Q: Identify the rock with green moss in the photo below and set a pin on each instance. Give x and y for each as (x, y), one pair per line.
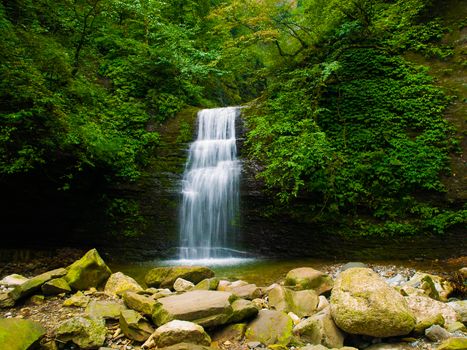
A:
(248, 291)
(363, 303)
(186, 346)
(56, 286)
(6, 301)
(308, 278)
(78, 300)
(104, 309)
(141, 303)
(207, 284)
(390, 346)
(460, 306)
(302, 303)
(19, 334)
(455, 327)
(232, 332)
(87, 272)
(86, 332)
(456, 343)
(177, 331)
(270, 327)
(135, 326)
(165, 277)
(35, 283)
(243, 310)
(118, 283)
(320, 329)
(12, 281)
(435, 287)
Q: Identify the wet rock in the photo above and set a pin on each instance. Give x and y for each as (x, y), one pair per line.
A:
(135, 326)
(56, 286)
(13, 280)
(204, 307)
(177, 331)
(182, 285)
(302, 303)
(270, 327)
(434, 286)
(165, 277)
(247, 291)
(429, 312)
(437, 333)
(243, 310)
(18, 334)
(363, 303)
(78, 299)
(140, 303)
(208, 284)
(34, 284)
(104, 309)
(89, 271)
(86, 332)
(320, 329)
(308, 278)
(460, 306)
(118, 283)
(453, 344)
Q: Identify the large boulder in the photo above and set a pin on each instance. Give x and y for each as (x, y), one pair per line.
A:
(104, 309)
(270, 327)
(12, 281)
(140, 303)
(118, 283)
(302, 303)
(247, 291)
(204, 307)
(320, 329)
(55, 286)
(308, 278)
(363, 303)
(86, 332)
(89, 271)
(177, 331)
(165, 277)
(135, 326)
(34, 284)
(18, 334)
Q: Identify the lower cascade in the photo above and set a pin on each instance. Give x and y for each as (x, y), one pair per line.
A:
(210, 188)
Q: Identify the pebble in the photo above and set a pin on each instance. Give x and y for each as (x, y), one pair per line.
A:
(253, 344)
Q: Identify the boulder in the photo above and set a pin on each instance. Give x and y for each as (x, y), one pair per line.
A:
(177, 331)
(181, 285)
(78, 299)
(104, 309)
(437, 333)
(270, 327)
(223, 285)
(37, 299)
(460, 306)
(353, 264)
(428, 312)
(455, 327)
(363, 303)
(302, 303)
(208, 284)
(233, 332)
(391, 346)
(135, 326)
(247, 291)
(6, 301)
(165, 277)
(55, 286)
(186, 346)
(140, 303)
(204, 307)
(322, 303)
(13, 280)
(33, 284)
(89, 271)
(453, 344)
(18, 334)
(320, 329)
(242, 310)
(118, 283)
(86, 332)
(308, 278)
(435, 287)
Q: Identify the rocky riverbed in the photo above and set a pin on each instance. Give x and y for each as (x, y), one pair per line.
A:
(345, 306)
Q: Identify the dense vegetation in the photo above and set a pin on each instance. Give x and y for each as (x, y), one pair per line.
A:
(343, 125)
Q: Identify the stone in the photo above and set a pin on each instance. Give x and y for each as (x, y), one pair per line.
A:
(391, 346)
(208, 284)
(104, 309)
(36, 300)
(186, 346)
(34, 284)
(78, 299)
(270, 327)
(322, 303)
(56, 286)
(247, 291)
(320, 329)
(308, 278)
(460, 306)
(165, 277)
(435, 287)
(19, 334)
(314, 347)
(455, 327)
(89, 271)
(260, 303)
(135, 326)
(118, 283)
(363, 303)
(12, 280)
(204, 307)
(182, 285)
(86, 332)
(232, 332)
(463, 272)
(456, 343)
(223, 285)
(429, 312)
(253, 344)
(177, 331)
(437, 333)
(397, 280)
(243, 310)
(353, 264)
(140, 303)
(296, 320)
(302, 303)
(6, 301)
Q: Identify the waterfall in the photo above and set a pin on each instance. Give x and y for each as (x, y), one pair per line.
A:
(210, 188)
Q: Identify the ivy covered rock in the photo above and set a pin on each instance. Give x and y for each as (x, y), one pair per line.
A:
(19, 334)
(87, 272)
(363, 303)
(86, 332)
(118, 283)
(177, 331)
(270, 327)
(165, 277)
(309, 278)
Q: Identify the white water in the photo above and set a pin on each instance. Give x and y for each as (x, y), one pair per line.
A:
(210, 188)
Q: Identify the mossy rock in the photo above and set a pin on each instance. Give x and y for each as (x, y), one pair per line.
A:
(243, 310)
(453, 344)
(177, 331)
(118, 283)
(140, 303)
(86, 332)
(56, 286)
(165, 277)
(89, 271)
(19, 334)
(135, 326)
(309, 278)
(34, 284)
(302, 303)
(270, 327)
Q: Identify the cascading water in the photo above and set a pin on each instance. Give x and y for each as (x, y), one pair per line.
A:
(210, 188)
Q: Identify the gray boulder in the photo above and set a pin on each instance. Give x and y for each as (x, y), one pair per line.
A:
(181, 285)
(104, 309)
(175, 332)
(302, 303)
(270, 327)
(135, 326)
(140, 303)
(309, 278)
(243, 310)
(86, 332)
